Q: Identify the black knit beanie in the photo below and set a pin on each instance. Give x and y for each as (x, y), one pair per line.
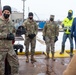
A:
(30, 14)
(7, 8)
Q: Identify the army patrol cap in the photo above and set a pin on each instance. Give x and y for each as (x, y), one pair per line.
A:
(52, 16)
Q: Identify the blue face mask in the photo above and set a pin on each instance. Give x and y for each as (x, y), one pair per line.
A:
(69, 16)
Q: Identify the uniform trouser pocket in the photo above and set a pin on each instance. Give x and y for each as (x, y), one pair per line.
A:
(13, 61)
(2, 62)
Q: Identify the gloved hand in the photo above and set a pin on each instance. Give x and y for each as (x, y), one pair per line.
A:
(56, 38)
(10, 36)
(31, 36)
(65, 29)
(44, 38)
(69, 30)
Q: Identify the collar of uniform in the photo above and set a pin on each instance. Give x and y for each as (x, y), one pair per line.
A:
(51, 21)
(30, 20)
(1, 17)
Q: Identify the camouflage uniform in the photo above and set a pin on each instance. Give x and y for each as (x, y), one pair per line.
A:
(6, 48)
(50, 31)
(31, 28)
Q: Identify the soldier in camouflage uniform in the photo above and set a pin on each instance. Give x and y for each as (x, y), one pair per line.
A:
(50, 35)
(6, 47)
(30, 36)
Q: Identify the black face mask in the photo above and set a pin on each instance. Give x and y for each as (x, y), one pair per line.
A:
(30, 18)
(6, 15)
(51, 19)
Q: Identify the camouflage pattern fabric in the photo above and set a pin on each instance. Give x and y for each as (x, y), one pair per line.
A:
(31, 28)
(6, 48)
(50, 30)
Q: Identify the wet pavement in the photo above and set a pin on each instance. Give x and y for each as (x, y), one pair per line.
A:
(42, 66)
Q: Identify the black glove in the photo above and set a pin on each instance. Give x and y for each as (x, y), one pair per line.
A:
(69, 30)
(65, 30)
(10, 36)
(56, 38)
(44, 38)
(31, 36)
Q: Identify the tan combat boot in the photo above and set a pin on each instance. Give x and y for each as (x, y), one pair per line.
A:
(53, 56)
(33, 59)
(47, 56)
(27, 59)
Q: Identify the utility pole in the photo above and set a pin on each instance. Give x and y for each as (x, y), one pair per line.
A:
(23, 8)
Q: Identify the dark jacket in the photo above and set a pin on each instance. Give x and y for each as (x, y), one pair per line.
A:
(73, 29)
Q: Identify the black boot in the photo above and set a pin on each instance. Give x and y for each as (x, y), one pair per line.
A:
(21, 50)
(62, 51)
(71, 52)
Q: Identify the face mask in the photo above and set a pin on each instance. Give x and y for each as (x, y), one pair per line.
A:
(30, 18)
(6, 15)
(51, 19)
(69, 14)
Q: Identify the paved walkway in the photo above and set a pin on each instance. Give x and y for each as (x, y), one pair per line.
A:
(42, 66)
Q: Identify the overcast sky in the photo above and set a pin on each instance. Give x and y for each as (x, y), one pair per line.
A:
(42, 9)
